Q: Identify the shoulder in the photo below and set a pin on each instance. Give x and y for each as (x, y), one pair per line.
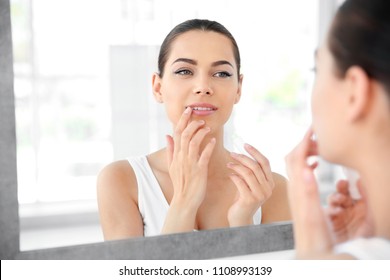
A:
(276, 208)
(117, 198)
(280, 189)
(117, 178)
(279, 180)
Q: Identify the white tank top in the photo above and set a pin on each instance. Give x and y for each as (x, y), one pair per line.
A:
(151, 201)
(374, 248)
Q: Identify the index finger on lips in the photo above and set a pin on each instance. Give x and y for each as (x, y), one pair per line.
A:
(298, 157)
(181, 125)
(309, 145)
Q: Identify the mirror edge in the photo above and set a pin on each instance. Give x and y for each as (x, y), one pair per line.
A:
(207, 244)
(9, 217)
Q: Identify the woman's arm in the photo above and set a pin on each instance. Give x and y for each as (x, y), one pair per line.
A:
(118, 202)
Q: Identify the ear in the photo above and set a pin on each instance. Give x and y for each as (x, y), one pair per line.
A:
(156, 85)
(238, 97)
(358, 92)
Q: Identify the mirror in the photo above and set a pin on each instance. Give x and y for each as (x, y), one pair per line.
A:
(64, 116)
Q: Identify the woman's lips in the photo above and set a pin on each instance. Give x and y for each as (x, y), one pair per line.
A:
(202, 109)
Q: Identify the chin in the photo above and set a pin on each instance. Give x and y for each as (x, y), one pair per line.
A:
(329, 155)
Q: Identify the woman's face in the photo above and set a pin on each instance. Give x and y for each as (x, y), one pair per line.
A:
(201, 73)
(327, 106)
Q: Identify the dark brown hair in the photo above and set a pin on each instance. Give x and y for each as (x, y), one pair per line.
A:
(195, 24)
(360, 35)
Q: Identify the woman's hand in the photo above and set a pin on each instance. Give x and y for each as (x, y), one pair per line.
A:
(254, 181)
(311, 232)
(188, 169)
(349, 218)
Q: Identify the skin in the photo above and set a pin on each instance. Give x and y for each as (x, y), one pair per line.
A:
(206, 186)
(343, 110)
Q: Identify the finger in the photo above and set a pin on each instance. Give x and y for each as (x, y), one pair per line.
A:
(261, 159)
(333, 212)
(170, 149)
(206, 154)
(339, 200)
(297, 158)
(247, 174)
(311, 230)
(308, 145)
(242, 187)
(249, 167)
(196, 140)
(314, 165)
(258, 185)
(181, 125)
(188, 133)
(342, 187)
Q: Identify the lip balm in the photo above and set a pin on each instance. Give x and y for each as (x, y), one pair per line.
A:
(352, 177)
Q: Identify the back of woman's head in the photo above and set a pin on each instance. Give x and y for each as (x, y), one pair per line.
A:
(360, 35)
(194, 24)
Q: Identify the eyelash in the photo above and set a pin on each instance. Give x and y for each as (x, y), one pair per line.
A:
(184, 72)
(223, 74)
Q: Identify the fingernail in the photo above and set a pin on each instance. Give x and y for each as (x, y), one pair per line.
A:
(187, 110)
(248, 146)
(201, 121)
(229, 164)
(234, 154)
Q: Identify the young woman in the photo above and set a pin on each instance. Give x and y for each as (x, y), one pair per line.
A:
(351, 124)
(194, 183)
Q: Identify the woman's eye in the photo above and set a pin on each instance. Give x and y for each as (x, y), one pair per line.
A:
(222, 74)
(183, 72)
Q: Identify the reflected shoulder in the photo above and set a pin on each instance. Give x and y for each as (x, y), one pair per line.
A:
(117, 176)
(276, 208)
(280, 180)
(117, 197)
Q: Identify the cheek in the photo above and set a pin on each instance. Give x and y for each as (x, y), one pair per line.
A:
(320, 118)
(317, 104)
(326, 120)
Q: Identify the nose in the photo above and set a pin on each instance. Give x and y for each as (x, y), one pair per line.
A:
(204, 91)
(203, 86)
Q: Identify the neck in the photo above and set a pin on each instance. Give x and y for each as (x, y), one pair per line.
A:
(375, 175)
(220, 156)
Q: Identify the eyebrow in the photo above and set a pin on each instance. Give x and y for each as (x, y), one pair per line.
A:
(221, 62)
(194, 62)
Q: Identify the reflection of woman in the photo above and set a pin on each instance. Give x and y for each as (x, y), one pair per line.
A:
(193, 183)
(351, 121)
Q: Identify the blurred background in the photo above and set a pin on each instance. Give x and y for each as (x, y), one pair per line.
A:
(83, 94)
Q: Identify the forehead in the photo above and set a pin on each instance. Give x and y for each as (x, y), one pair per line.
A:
(198, 44)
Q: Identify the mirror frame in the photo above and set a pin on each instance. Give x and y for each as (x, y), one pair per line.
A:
(205, 244)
